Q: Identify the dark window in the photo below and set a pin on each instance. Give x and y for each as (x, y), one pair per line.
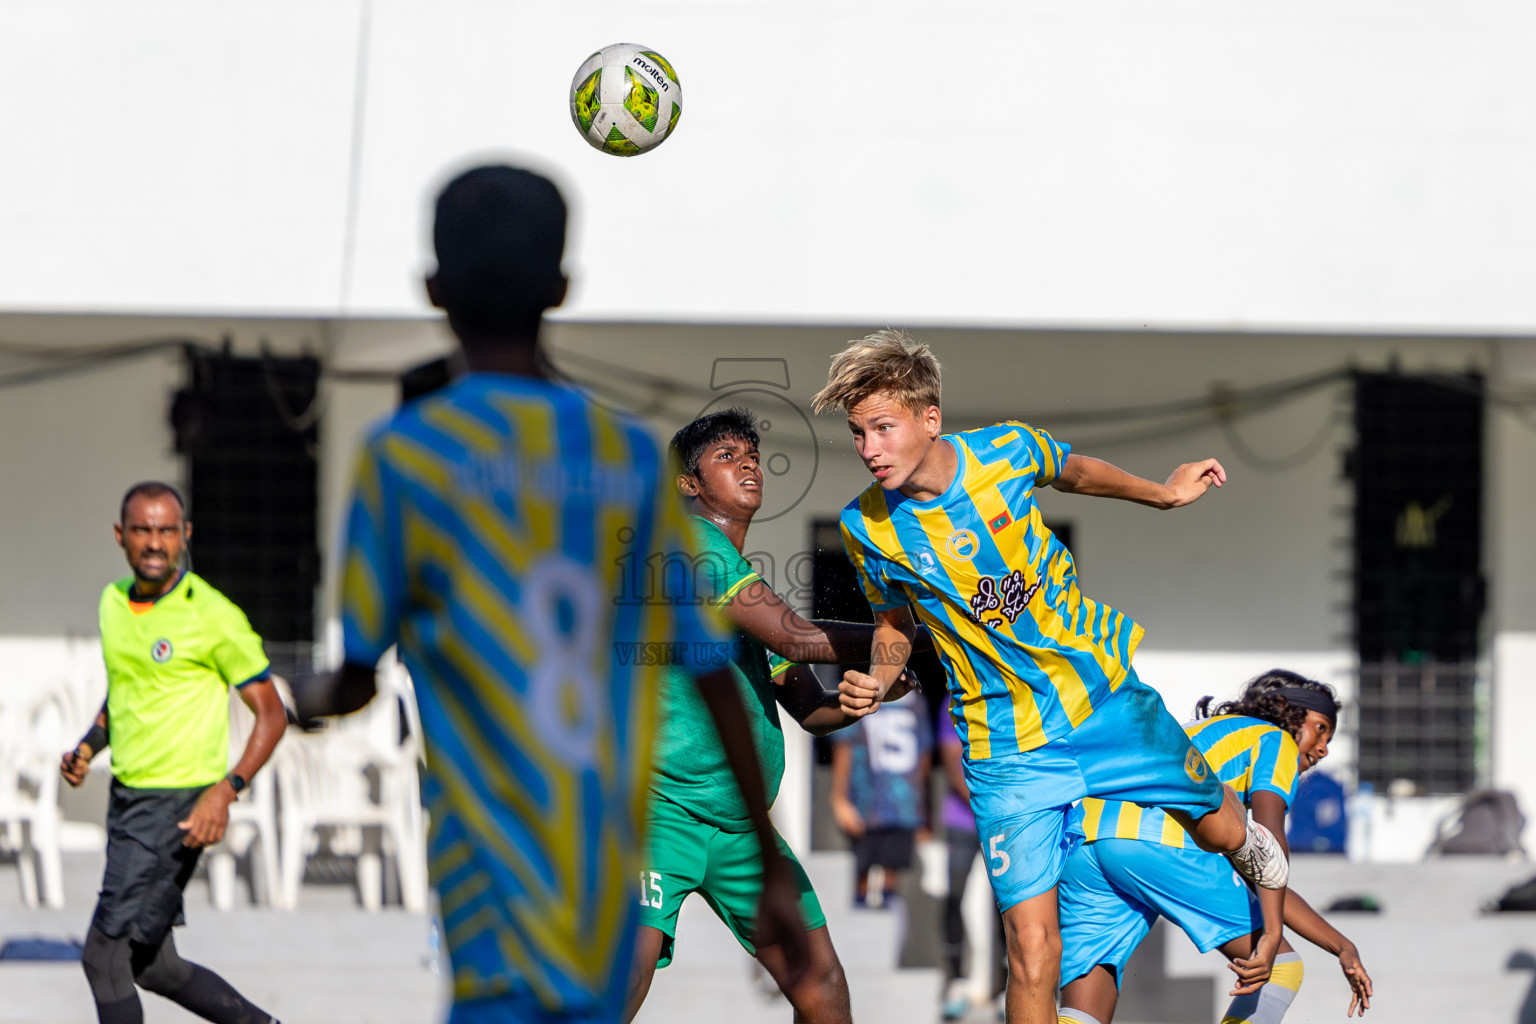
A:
(1418, 585)
(247, 428)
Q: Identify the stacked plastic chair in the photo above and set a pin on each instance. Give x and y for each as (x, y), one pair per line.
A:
(358, 778)
(32, 736)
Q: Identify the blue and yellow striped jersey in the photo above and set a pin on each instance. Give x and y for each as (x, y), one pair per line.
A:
(504, 531)
(1028, 656)
(1248, 754)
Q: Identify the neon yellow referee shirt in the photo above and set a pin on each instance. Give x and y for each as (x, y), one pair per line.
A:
(169, 668)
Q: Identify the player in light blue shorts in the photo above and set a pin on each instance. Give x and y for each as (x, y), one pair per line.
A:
(1137, 864)
(1023, 804)
(1044, 698)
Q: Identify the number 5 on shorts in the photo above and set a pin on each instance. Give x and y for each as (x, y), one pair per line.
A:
(999, 856)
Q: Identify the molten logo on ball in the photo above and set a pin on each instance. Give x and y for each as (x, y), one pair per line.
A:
(625, 99)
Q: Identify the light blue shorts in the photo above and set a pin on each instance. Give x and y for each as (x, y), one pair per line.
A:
(1114, 889)
(1130, 749)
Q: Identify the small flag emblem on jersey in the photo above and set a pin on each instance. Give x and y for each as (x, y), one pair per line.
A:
(997, 525)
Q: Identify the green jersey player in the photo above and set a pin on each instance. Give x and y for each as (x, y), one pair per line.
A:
(699, 834)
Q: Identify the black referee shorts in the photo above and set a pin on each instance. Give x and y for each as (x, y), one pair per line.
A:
(147, 865)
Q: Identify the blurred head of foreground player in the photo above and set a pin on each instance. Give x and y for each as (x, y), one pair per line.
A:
(499, 235)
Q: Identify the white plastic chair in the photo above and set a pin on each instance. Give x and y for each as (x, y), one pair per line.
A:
(323, 781)
(252, 824)
(31, 740)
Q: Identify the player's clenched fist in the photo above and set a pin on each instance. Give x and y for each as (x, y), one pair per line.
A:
(858, 694)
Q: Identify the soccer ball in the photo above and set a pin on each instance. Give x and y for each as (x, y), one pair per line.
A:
(625, 99)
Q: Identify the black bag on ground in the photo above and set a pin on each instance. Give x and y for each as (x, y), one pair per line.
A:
(1488, 822)
(1521, 898)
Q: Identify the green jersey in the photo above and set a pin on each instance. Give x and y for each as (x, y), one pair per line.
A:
(170, 664)
(690, 767)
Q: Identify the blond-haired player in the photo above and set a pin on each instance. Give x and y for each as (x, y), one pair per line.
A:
(1044, 696)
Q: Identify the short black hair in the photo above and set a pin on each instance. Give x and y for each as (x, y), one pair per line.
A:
(690, 443)
(150, 489)
(499, 234)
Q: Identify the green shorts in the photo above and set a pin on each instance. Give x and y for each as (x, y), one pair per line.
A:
(686, 855)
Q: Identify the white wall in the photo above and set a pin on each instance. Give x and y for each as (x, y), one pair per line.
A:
(71, 445)
(1252, 576)
(1360, 165)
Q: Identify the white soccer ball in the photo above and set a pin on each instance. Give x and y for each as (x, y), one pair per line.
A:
(625, 99)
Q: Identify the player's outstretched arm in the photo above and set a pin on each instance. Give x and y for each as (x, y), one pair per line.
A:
(1097, 478)
(342, 692)
(761, 614)
(1312, 926)
(778, 915)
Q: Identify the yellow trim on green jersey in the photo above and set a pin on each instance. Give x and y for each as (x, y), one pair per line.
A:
(736, 588)
(169, 670)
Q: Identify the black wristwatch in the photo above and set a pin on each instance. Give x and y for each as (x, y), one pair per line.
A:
(236, 783)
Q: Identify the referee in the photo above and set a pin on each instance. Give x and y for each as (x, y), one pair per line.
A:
(173, 646)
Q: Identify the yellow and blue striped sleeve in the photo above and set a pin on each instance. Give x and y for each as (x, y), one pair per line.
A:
(1276, 766)
(1035, 445)
(879, 591)
(373, 580)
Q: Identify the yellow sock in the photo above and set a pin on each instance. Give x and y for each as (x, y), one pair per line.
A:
(1268, 1004)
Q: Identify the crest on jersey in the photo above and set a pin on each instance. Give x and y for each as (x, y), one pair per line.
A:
(1194, 765)
(963, 544)
(161, 651)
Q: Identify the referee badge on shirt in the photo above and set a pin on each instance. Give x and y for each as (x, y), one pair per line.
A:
(161, 651)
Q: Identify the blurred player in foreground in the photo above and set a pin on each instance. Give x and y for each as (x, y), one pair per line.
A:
(173, 647)
(1045, 698)
(699, 830)
(494, 531)
(1136, 865)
